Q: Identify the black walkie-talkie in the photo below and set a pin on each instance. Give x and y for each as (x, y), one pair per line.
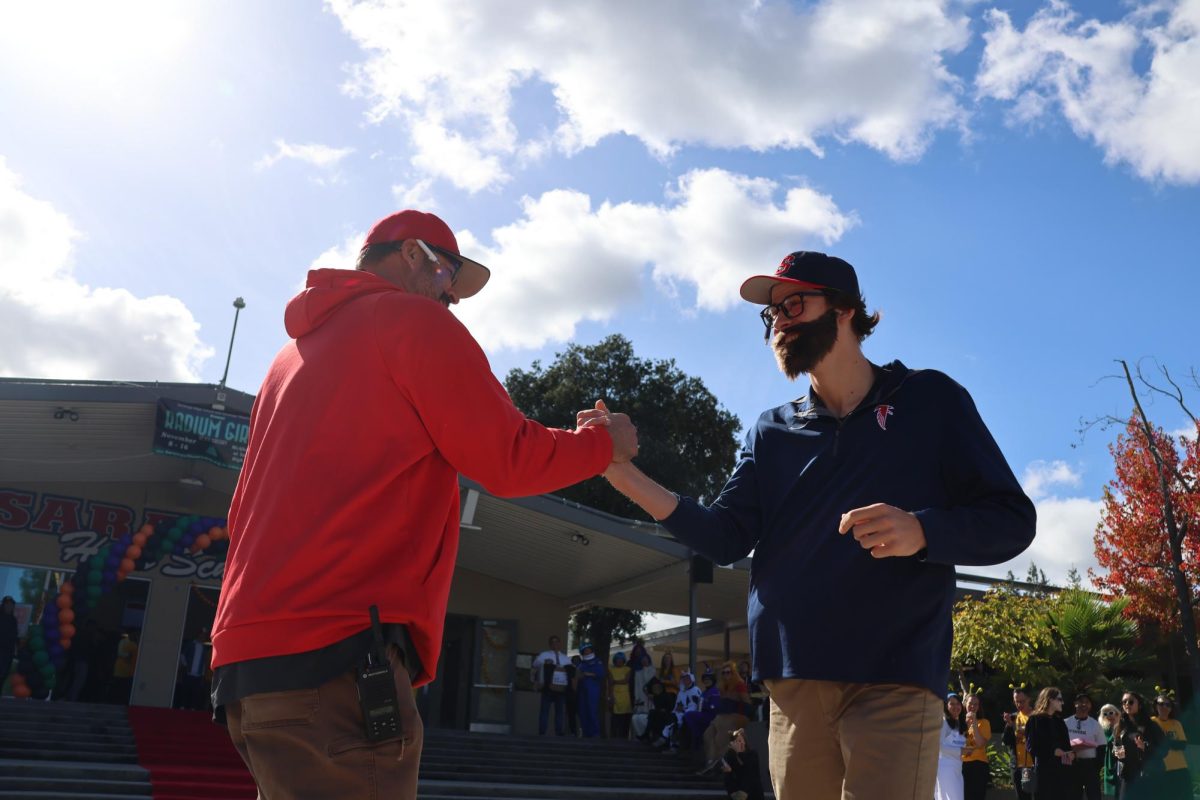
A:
(377, 689)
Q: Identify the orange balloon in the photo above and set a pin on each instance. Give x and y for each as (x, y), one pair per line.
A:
(66, 643)
(127, 564)
(63, 601)
(65, 616)
(221, 534)
(139, 539)
(67, 588)
(133, 551)
(202, 542)
(146, 530)
(66, 631)
(22, 691)
(17, 679)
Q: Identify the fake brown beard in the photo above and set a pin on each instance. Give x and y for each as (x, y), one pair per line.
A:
(813, 342)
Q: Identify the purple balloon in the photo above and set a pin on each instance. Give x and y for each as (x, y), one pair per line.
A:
(110, 576)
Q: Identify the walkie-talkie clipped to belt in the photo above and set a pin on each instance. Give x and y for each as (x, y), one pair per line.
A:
(377, 688)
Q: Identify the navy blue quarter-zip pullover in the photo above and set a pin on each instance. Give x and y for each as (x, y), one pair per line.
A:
(820, 606)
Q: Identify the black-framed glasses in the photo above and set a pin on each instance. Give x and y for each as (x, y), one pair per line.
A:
(790, 307)
(1129, 702)
(453, 261)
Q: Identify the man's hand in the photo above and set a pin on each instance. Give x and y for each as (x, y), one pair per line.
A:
(620, 428)
(884, 530)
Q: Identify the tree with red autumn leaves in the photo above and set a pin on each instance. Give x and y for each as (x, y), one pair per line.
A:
(1148, 541)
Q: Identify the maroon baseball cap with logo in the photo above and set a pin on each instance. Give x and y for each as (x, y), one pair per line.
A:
(804, 269)
(410, 224)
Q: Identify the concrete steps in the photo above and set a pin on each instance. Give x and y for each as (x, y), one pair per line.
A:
(456, 764)
(68, 751)
(74, 751)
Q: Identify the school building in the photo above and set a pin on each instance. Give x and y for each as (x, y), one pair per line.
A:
(86, 465)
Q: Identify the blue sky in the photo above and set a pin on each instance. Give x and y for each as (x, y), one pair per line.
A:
(1015, 182)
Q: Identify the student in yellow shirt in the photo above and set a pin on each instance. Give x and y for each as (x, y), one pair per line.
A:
(620, 703)
(1014, 736)
(1176, 782)
(123, 669)
(975, 757)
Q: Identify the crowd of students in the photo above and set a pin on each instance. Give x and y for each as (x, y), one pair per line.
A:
(668, 707)
(1131, 752)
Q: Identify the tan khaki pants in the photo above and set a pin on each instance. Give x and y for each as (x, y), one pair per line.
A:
(309, 743)
(716, 735)
(853, 741)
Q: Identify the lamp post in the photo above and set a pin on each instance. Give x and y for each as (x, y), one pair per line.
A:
(238, 305)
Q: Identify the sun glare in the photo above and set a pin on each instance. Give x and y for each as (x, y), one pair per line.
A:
(89, 52)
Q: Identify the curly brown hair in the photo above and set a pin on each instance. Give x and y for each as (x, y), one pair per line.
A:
(862, 323)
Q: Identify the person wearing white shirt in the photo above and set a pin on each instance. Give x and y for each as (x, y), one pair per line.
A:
(954, 741)
(690, 697)
(1086, 736)
(551, 672)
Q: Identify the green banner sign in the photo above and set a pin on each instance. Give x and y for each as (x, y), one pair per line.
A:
(198, 432)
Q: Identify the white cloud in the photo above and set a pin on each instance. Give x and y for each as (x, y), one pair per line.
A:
(759, 74)
(1149, 119)
(1065, 526)
(566, 261)
(68, 330)
(1185, 431)
(341, 256)
(417, 195)
(1039, 476)
(323, 157)
(1065, 530)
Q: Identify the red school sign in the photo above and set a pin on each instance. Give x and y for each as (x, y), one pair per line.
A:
(83, 526)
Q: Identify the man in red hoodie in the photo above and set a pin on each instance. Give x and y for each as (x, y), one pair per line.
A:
(348, 500)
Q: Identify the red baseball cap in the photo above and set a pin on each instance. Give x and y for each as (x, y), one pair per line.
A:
(430, 229)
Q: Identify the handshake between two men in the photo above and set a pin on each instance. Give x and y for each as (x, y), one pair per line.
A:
(620, 428)
(881, 529)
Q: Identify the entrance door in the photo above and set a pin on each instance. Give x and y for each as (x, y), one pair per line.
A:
(443, 702)
(493, 676)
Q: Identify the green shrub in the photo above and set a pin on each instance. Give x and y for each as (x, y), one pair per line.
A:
(1000, 765)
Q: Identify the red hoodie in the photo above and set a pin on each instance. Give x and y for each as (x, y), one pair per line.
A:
(349, 492)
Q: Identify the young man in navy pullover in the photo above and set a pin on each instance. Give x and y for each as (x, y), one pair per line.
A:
(857, 500)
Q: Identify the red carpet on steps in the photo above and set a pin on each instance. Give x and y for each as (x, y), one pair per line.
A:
(188, 756)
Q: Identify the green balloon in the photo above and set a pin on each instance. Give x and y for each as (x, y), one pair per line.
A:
(93, 591)
(175, 534)
(41, 658)
(95, 576)
(36, 632)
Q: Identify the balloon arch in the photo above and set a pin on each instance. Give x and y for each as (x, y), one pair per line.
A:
(47, 642)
